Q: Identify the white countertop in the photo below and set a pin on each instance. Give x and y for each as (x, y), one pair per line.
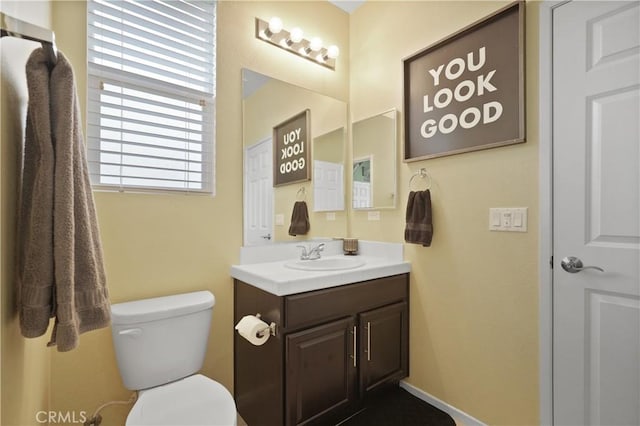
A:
(280, 280)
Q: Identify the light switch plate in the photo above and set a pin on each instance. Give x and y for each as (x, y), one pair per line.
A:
(331, 216)
(279, 219)
(508, 219)
(373, 215)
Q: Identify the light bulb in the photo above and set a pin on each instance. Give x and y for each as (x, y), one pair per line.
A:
(275, 25)
(333, 52)
(316, 44)
(296, 35)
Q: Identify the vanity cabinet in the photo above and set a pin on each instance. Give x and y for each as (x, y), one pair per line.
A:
(333, 348)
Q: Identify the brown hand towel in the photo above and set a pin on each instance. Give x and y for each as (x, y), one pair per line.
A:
(299, 219)
(419, 227)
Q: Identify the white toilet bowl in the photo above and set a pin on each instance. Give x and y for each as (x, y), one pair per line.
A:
(195, 400)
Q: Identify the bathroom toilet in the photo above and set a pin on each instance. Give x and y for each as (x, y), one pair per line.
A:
(160, 345)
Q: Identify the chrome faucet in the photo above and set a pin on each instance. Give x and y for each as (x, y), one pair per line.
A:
(313, 253)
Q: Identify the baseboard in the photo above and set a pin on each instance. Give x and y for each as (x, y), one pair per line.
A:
(461, 418)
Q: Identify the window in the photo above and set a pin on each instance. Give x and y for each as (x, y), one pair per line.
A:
(150, 121)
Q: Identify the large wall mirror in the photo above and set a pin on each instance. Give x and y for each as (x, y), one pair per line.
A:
(374, 161)
(267, 102)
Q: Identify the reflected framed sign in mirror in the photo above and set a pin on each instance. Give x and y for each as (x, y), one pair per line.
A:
(291, 150)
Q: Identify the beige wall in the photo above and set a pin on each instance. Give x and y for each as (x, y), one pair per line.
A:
(474, 322)
(25, 364)
(330, 146)
(158, 244)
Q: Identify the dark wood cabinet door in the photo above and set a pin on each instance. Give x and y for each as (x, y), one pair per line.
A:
(320, 371)
(384, 334)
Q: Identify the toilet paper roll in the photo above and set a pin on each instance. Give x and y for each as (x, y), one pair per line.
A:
(253, 329)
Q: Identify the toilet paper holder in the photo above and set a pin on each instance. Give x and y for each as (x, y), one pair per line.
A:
(271, 328)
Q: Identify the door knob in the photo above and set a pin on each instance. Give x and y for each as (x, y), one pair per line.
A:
(266, 237)
(572, 265)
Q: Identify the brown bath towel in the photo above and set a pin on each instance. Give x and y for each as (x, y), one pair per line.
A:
(419, 227)
(34, 245)
(299, 219)
(71, 284)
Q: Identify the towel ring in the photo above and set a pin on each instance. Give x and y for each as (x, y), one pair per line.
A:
(302, 191)
(422, 173)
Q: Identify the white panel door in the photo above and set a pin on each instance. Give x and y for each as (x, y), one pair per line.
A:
(258, 193)
(596, 134)
(328, 186)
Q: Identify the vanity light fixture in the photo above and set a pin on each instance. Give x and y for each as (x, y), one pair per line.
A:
(293, 41)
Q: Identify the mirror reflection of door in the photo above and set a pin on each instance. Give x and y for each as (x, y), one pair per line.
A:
(362, 183)
(328, 187)
(258, 193)
(328, 171)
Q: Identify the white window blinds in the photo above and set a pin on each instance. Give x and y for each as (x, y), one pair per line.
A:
(150, 121)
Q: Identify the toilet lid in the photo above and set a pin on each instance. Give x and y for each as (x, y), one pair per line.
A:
(195, 400)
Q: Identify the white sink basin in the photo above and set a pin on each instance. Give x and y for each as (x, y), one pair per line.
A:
(326, 264)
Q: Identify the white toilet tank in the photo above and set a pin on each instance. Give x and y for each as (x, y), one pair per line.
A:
(162, 339)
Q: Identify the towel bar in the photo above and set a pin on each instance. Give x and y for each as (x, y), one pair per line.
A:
(302, 191)
(422, 173)
(13, 27)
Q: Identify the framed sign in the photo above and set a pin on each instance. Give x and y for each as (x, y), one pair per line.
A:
(291, 150)
(466, 92)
